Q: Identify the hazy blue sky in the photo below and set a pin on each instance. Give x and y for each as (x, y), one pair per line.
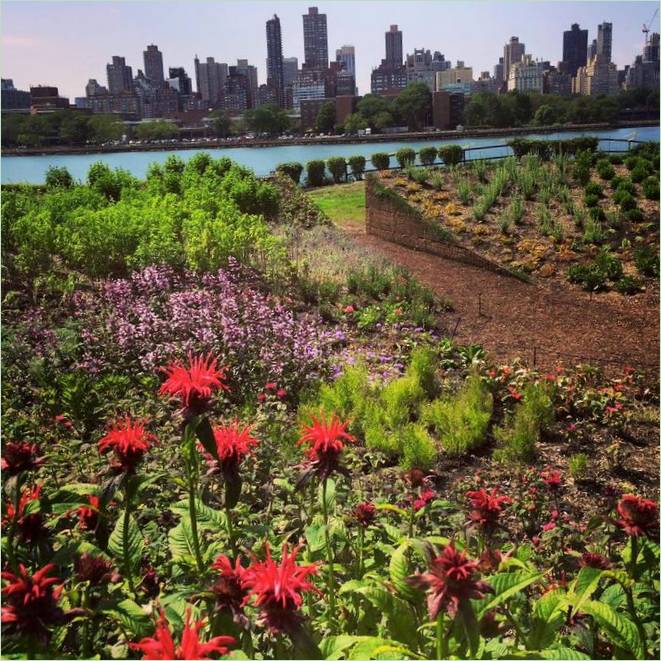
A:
(65, 43)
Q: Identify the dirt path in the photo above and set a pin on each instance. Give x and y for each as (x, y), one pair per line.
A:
(548, 323)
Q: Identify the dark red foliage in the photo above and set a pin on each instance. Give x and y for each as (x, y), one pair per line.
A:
(194, 384)
(325, 438)
(639, 516)
(364, 513)
(278, 588)
(129, 441)
(415, 477)
(30, 526)
(228, 589)
(94, 569)
(88, 515)
(150, 583)
(595, 560)
(451, 580)
(486, 508)
(30, 602)
(421, 501)
(162, 645)
(20, 457)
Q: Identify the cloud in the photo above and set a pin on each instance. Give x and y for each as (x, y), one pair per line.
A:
(19, 41)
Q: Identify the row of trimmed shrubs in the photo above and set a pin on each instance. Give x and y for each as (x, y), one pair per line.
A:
(546, 149)
(339, 167)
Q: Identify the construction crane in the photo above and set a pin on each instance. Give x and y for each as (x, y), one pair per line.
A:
(646, 28)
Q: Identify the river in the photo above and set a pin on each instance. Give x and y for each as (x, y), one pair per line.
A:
(32, 169)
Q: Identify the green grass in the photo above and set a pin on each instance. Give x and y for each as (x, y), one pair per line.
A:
(342, 203)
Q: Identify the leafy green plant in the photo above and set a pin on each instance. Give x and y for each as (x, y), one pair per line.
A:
(357, 165)
(381, 160)
(464, 192)
(405, 156)
(316, 171)
(428, 155)
(292, 170)
(605, 170)
(647, 261)
(578, 466)
(337, 166)
(651, 188)
(436, 181)
(451, 154)
(58, 177)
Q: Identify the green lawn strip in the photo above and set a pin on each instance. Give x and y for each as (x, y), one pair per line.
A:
(342, 203)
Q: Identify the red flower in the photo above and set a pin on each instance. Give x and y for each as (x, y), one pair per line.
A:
(282, 393)
(63, 420)
(277, 588)
(88, 515)
(94, 569)
(415, 477)
(514, 393)
(162, 645)
(451, 580)
(261, 397)
(20, 457)
(425, 497)
(233, 443)
(229, 590)
(552, 479)
(349, 309)
(129, 440)
(364, 514)
(326, 440)
(30, 526)
(595, 560)
(194, 384)
(486, 507)
(30, 603)
(492, 374)
(640, 516)
(271, 386)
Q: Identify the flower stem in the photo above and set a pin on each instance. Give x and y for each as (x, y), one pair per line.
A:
(329, 559)
(361, 544)
(193, 523)
(441, 647)
(125, 539)
(230, 527)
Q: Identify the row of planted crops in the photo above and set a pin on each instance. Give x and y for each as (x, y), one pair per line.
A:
(229, 433)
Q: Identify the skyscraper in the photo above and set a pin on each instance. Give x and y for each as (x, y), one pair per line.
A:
(275, 75)
(605, 40)
(210, 79)
(315, 40)
(512, 53)
(290, 69)
(394, 49)
(120, 77)
(347, 56)
(179, 80)
(574, 48)
(250, 73)
(154, 65)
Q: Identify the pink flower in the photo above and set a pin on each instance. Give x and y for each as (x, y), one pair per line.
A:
(349, 309)
(282, 393)
(425, 497)
(271, 386)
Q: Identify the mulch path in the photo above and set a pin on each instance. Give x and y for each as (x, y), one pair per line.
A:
(544, 323)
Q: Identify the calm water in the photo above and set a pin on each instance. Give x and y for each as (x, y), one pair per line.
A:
(32, 169)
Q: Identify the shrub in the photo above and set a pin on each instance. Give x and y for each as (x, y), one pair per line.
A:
(338, 168)
(417, 447)
(608, 264)
(464, 192)
(428, 155)
(58, 177)
(461, 421)
(480, 169)
(400, 399)
(593, 188)
(422, 366)
(515, 210)
(436, 181)
(634, 215)
(615, 159)
(293, 170)
(357, 165)
(593, 231)
(578, 466)
(626, 201)
(624, 185)
(405, 156)
(628, 285)
(316, 173)
(522, 431)
(641, 171)
(419, 175)
(381, 160)
(591, 200)
(451, 154)
(582, 167)
(647, 261)
(597, 214)
(631, 162)
(588, 276)
(651, 188)
(605, 170)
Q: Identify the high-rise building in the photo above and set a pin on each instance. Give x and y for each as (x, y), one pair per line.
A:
(597, 77)
(394, 47)
(290, 70)
(13, 99)
(315, 40)
(94, 89)
(179, 80)
(419, 68)
(526, 76)
(237, 91)
(153, 59)
(210, 79)
(250, 72)
(592, 50)
(605, 40)
(575, 48)
(512, 53)
(644, 72)
(275, 75)
(455, 79)
(120, 77)
(347, 57)
(498, 72)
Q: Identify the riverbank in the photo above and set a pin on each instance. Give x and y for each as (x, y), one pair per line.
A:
(325, 140)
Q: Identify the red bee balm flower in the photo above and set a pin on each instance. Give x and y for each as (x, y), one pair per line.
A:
(451, 580)
(640, 516)
(277, 588)
(364, 514)
(594, 560)
(88, 515)
(552, 479)
(194, 384)
(233, 442)
(20, 457)
(228, 589)
(94, 569)
(30, 526)
(486, 507)
(326, 440)
(425, 497)
(30, 601)
(129, 440)
(162, 645)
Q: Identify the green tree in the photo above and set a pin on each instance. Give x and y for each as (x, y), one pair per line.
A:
(105, 128)
(220, 123)
(267, 119)
(58, 178)
(414, 104)
(74, 129)
(325, 122)
(354, 123)
(156, 130)
(545, 115)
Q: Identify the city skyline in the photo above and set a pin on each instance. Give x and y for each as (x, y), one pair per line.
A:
(28, 31)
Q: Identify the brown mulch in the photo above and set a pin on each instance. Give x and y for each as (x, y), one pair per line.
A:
(543, 323)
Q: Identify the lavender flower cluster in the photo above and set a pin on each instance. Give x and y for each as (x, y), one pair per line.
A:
(156, 315)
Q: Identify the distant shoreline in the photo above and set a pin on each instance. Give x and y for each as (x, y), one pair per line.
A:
(327, 140)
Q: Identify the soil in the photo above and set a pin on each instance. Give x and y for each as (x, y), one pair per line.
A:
(545, 323)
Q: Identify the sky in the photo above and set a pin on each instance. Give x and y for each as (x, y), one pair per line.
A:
(66, 43)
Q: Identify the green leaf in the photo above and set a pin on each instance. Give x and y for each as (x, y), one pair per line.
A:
(400, 571)
(506, 585)
(205, 435)
(549, 614)
(132, 555)
(180, 540)
(392, 508)
(330, 495)
(315, 537)
(619, 629)
(583, 586)
(131, 618)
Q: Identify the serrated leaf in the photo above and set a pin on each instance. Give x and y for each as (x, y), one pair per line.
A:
(132, 554)
(549, 614)
(583, 586)
(315, 537)
(180, 541)
(619, 629)
(330, 496)
(399, 571)
(131, 618)
(506, 585)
